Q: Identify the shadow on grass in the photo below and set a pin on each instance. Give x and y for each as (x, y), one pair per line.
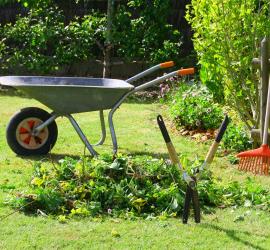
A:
(233, 235)
(143, 153)
(50, 157)
(53, 157)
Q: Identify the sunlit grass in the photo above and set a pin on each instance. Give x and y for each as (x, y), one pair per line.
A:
(137, 133)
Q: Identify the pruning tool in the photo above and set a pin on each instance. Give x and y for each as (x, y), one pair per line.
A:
(190, 194)
(191, 191)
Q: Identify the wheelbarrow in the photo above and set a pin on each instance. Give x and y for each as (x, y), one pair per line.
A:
(33, 131)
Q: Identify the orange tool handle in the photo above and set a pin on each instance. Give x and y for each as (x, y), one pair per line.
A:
(166, 64)
(188, 71)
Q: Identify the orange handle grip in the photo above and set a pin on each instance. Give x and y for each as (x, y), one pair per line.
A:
(167, 64)
(188, 71)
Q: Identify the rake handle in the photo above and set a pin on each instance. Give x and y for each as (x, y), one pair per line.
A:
(267, 116)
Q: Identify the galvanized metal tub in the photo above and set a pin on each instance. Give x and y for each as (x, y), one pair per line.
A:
(68, 95)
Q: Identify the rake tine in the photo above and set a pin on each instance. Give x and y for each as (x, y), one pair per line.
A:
(254, 164)
(243, 163)
(266, 167)
(259, 170)
(249, 164)
(255, 160)
(240, 164)
(259, 164)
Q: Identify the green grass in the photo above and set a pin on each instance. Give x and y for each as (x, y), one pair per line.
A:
(137, 133)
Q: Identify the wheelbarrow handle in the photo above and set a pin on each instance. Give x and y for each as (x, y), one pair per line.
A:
(151, 70)
(180, 72)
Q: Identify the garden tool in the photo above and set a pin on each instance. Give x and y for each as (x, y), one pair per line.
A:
(172, 152)
(213, 149)
(258, 160)
(191, 193)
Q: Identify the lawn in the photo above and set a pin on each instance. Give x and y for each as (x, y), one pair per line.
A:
(137, 133)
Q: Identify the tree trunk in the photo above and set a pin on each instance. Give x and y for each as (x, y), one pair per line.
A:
(109, 40)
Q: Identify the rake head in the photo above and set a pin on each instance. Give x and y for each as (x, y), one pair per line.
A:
(256, 161)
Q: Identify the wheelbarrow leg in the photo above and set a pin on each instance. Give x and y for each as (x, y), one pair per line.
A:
(81, 135)
(113, 135)
(110, 119)
(103, 129)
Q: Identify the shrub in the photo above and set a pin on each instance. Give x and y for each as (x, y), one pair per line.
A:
(147, 35)
(40, 43)
(227, 34)
(193, 108)
(236, 138)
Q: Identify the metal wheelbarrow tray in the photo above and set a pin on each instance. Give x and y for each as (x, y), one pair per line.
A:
(33, 131)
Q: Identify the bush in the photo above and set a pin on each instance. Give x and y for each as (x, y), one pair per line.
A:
(227, 35)
(126, 187)
(193, 108)
(41, 43)
(236, 138)
(147, 35)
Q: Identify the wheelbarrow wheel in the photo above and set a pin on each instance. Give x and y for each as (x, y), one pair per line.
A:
(19, 132)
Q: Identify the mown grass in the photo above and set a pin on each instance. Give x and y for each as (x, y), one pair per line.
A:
(137, 134)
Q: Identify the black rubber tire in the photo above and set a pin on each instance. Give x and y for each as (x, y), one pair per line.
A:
(17, 119)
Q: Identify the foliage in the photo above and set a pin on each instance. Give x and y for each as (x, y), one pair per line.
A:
(236, 138)
(227, 34)
(127, 187)
(3, 2)
(193, 107)
(146, 36)
(41, 43)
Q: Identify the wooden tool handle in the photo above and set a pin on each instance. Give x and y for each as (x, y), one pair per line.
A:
(213, 149)
(267, 116)
(167, 139)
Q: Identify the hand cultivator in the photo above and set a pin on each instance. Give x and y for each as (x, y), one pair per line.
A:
(191, 191)
(33, 131)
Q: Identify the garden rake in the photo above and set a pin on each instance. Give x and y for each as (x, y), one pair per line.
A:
(258, 160)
